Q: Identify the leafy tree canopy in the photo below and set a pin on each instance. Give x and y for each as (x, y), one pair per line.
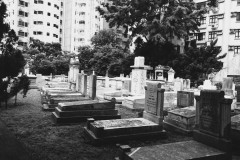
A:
(197, 63)
(158, 20)
(104, 37)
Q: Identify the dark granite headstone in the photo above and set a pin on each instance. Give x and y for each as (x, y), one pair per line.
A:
(214, 116)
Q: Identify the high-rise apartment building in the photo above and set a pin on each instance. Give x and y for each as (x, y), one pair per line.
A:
(223, 23)
(81, 22)
(39, 19)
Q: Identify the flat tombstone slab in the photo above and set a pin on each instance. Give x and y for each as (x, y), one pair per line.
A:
(175, 151)
(123, 123)
(214, 113)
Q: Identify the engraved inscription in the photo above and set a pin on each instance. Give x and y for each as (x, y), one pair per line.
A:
(151, 98)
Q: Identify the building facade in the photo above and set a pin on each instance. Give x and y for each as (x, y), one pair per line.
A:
(38, 19)
(222, 23)
(81, 22)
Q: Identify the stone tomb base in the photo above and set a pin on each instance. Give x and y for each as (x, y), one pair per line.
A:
(187, 150)
(235, 129)
(181, 120)
(74, 112)
(134, 103)
(122, 129)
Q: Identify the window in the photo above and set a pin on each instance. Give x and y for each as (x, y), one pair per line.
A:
(21, 33)
(81, 22)
(213, 20)
(21, 13)
(236, 49)
(48, 24)
(48, 34)
(21, 3)
(237, 33)
(200, 36)
(37, 32)
(238, 2)
(26, 24)
(49, 3)
(25, 34)
(38, 1)
(238, 16)
(212, 35)
(38, 22)
(38, 12)
(21, 23)
(81, 13)
(49, 14)
(202, 20)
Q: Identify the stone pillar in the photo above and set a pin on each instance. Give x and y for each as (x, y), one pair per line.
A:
(171, 74)
(139, 75)
(92, 86)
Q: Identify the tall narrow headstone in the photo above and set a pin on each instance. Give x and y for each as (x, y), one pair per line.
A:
(227, 86)
(171, 74)
(154, 100)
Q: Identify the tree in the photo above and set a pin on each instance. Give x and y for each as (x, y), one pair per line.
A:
(197, 63)
(157, 20)
(47, 58)
(86, 54)
(105, 37)
(11, 62)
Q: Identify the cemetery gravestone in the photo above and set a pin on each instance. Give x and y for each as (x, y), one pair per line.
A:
(227, 86)
(211, 141)
(214, 116)
(149, 126)
(185, 98)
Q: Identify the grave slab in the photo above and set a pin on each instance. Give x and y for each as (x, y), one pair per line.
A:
(235, 129)
(181, 120)
(188, 150)
(124, 129)
(78, 111)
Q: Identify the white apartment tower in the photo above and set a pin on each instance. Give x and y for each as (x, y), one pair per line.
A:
(39, 19)
(81, 22)
(222, 22)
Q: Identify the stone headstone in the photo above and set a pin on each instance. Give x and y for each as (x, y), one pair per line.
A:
(178, 86)
(154, 100)
(92, 86)
(227, 86)
(83, 84)
(171, 74)
(127, 85)
(185, 98)
(214, 113)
